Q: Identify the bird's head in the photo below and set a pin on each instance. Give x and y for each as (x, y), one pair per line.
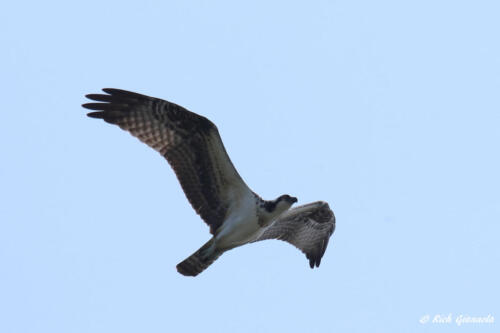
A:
(284, 202)
(287, 199)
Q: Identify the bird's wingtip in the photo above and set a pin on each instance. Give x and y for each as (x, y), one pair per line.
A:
(98, 115)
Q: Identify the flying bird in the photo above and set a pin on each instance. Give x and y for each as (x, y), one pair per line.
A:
(193, 147)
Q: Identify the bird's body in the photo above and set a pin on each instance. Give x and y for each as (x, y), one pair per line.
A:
(193, 147)
(247, 221)
(241, 225)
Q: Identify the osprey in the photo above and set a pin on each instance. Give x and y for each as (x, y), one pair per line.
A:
(193, 148)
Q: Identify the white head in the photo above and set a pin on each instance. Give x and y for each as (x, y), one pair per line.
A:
(281, 204)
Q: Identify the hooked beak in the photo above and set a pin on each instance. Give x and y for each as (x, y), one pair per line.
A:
(294, 199)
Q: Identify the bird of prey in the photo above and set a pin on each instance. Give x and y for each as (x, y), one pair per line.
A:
(193, 148)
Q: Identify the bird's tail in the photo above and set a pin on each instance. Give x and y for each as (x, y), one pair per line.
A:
(200, 260)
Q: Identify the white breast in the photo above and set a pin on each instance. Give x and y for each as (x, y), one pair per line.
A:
(241, 226)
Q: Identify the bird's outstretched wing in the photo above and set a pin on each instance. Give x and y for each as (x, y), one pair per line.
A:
(307, 227)
(190, 143)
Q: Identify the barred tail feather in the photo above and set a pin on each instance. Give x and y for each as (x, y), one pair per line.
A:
(200, 260)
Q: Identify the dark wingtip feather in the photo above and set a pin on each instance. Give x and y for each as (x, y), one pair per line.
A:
(110, 90)
(314, 260)
(318, 262)
(99, 115)
(123, 93)
(94, 106)
(99, 97)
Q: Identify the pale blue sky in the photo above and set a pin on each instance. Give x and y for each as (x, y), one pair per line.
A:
(388, 110)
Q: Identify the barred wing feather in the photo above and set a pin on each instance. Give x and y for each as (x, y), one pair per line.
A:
(307, 227)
